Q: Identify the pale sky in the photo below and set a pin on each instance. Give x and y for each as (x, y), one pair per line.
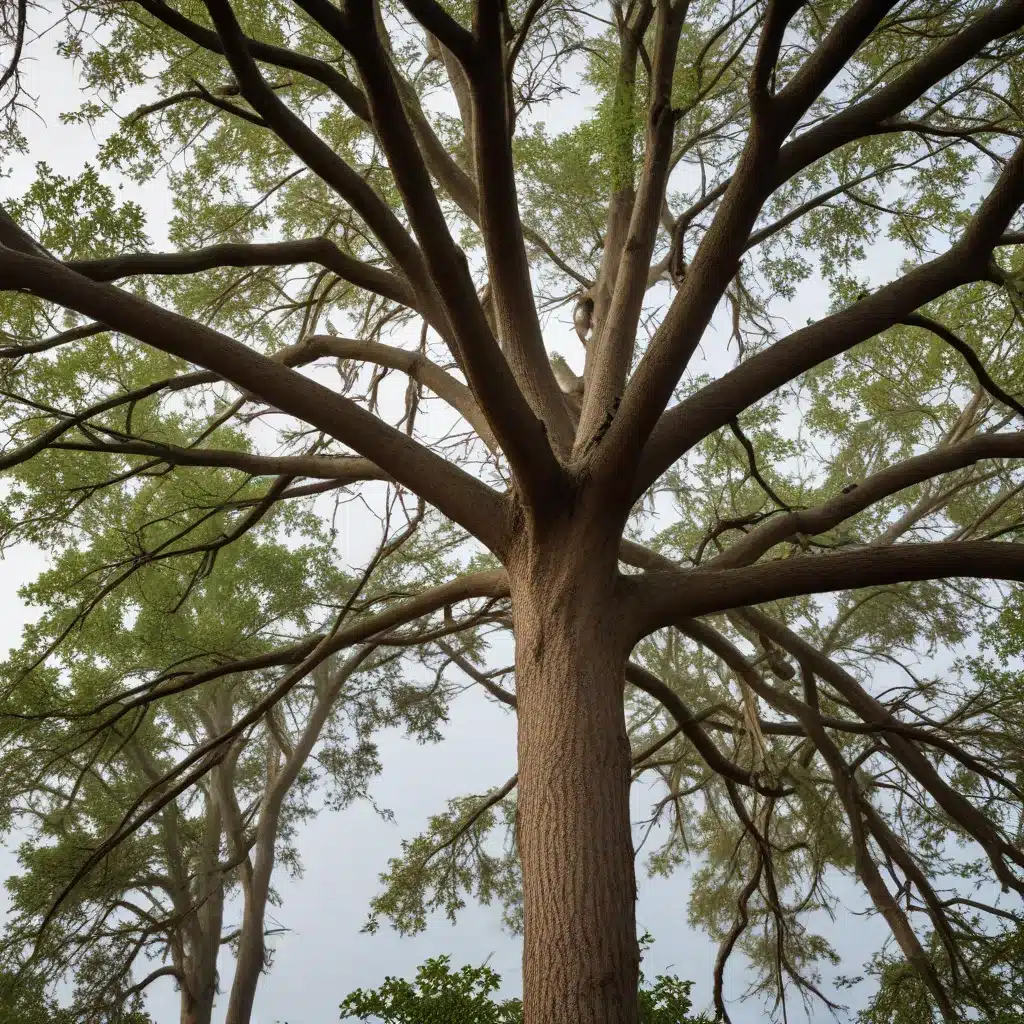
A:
(324, 956)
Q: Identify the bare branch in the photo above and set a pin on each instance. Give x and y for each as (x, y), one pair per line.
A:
(321, 251)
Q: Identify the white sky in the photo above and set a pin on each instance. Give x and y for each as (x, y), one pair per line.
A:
(325, 956)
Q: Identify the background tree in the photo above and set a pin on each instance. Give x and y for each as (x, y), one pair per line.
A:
(371, 186)
(165, 897)
(23, 1000)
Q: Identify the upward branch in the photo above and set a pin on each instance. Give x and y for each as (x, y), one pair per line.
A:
(521, 434)
(715, 405)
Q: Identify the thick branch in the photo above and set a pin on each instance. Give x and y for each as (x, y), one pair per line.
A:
(321, 251)
(520, 433)
(714, 406)
(458, 495)
(342, 469)
(518, 325)
(279, 56)
(661, 598)
(869, 116)
(868, 492)
(610, 352)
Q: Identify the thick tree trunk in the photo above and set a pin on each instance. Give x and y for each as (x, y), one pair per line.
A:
(197, 1004)
(580, 960)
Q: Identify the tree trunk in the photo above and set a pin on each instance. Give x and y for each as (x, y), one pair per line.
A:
(580, 959)
(252, 948)
(197, 1004)
(199, 969)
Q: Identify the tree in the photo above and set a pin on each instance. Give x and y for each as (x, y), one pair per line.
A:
(161, 906)
(902, 999)
(735, 157)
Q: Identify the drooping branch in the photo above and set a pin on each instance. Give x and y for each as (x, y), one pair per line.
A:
(863, 818)
(688, 724)
(901, 747)
(321, 251)
(970, 357)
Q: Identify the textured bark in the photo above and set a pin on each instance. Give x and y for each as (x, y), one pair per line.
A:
(580, 958)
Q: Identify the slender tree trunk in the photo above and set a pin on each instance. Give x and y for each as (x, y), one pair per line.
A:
(580, 959)
(252, 948)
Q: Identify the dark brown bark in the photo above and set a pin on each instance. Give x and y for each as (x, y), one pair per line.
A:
(580, 958)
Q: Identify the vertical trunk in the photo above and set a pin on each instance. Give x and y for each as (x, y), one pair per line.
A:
(580, 960)
(197, 999)
(199, 990)
(252, 947)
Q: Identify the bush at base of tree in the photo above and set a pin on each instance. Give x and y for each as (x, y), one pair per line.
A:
(466, 996)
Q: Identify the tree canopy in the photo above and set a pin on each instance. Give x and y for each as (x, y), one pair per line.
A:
(675, 342)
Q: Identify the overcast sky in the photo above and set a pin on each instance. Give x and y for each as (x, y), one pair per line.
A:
(324, 956)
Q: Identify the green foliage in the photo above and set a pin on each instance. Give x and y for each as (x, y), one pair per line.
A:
(439, 995)
(23, 1000)
(159, 570)
(995, 962)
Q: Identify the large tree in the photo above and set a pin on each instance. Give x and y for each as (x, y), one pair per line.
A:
(346, 177)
